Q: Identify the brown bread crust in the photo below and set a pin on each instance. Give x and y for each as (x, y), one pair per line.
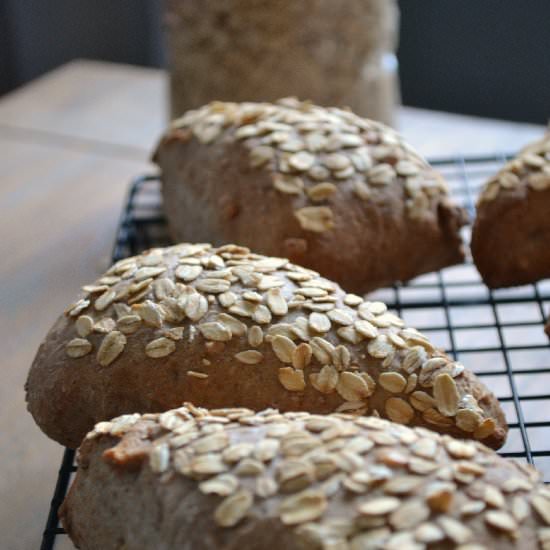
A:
(230, 479)
(385, 217)
(247, 331)
(512, 229)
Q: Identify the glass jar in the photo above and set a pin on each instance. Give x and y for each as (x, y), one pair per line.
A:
(332, 52)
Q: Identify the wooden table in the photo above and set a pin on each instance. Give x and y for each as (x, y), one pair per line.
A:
(69, 144)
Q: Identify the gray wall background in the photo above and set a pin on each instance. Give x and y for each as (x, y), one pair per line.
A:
(483, 57)
(39, 35)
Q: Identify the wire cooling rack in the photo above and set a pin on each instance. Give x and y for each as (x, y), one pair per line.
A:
(498, 334)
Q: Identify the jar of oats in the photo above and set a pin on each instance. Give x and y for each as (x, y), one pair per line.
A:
(333, 52)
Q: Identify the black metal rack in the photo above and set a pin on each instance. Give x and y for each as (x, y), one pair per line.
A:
(498, 334)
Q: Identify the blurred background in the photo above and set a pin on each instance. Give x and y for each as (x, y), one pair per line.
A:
(482, 58)
(71, 141)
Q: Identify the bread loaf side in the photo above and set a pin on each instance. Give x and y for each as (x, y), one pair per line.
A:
(512, 229)
(224, 327)
(333, 192)
(227, 479)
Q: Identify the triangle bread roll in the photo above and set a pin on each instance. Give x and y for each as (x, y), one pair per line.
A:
(332, 191)
(230, 478)
(224, 327)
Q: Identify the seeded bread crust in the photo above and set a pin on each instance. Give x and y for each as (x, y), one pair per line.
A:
(334, 192)
(228, 479)
(512, 229)
(228, 328)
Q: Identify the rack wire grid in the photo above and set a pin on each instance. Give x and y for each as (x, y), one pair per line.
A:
(498, 334)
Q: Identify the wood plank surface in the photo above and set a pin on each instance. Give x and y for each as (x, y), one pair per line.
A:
(59, 210)
(436, 134)
(116, 108)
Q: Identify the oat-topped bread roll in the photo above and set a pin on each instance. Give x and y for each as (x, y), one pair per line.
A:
(223, 327)
(229, 478)
(330, 190)
(511, 235)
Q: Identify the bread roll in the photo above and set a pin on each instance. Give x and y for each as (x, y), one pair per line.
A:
(334, 192)
(512, 229)
(231, 479)
(223, 327)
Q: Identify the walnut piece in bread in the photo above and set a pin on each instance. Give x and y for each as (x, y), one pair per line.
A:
(332, 191)
(230, 478)
(224, 327)
(511, 234)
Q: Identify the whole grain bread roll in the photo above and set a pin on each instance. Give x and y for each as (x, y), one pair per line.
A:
(230, 479)
(511, 234)
(334, 192)
(223, 327)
